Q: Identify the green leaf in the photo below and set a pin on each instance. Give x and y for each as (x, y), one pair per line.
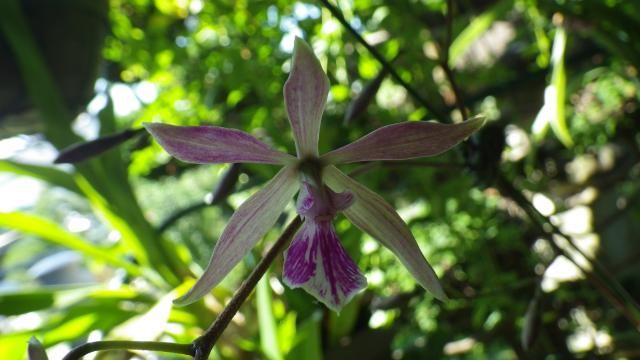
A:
(48, 174)
(553, 110)
(35, 73)
(266, 320)
(148, 326)
(24, 302)
(49, 231)
(308, 343)
(14, 345)
(559, 82)
(475, 29)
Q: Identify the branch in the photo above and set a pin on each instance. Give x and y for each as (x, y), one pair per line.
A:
(385, 64)
(202, 346)
(84, 349)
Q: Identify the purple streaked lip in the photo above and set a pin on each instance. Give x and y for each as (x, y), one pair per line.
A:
(315, 260)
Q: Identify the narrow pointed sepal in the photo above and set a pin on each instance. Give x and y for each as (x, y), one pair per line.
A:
(373, 215)
(305, 96)
(247, 225)
(407, 140)
(212, 145)
(317, 262)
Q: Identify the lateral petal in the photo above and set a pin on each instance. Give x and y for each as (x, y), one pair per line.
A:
(212, 144)
(247, 225)
(317, 262)
(305, 96)
(403, 141)
(373, 215)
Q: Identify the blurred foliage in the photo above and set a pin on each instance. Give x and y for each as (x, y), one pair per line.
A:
(85, 260)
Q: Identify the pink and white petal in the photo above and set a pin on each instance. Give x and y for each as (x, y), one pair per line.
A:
(373, 215)
(305, 96)
(317, 262)
(212, 144)
(247, 225)
(403, 141)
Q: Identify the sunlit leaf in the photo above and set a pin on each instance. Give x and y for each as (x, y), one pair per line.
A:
(266, 320)
(54, 233)
(559, 82)
(475, 29)
(48, 174)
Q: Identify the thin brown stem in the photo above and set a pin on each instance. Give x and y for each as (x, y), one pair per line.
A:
(385, 64)
(444, 62)
(204, 344)
(84, 349)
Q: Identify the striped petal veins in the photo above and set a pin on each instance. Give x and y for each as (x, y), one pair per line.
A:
(316, 261)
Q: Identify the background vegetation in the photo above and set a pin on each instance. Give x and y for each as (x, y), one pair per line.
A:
(532, 224)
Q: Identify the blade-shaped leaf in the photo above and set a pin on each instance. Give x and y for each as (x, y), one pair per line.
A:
(305, 95)
(358, 105)
(212, 144)
(266, 320)
(558, 120)
(373, 215)
(86, 150)
(247, 225)
(475, 29)
(403, 141)
(51, 175)
(49, 231)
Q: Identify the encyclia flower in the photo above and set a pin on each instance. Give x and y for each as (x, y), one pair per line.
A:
(315, 259)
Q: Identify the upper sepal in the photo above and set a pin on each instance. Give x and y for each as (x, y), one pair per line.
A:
(305, 96)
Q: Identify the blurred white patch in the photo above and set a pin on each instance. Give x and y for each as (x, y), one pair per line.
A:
(560, 270)
(413, 211)
(276, 285)
(18, 192)
(369, 246)
(518, 144)
(12, 145)
(459, 346)
(375, 277)
(305, 11)
(577, 223)
(195, 6)
(543, 204)
(581, 168)
(577, 220)
(488, 47)
(390, 95)
(380, 318)
(97, 104)
(124, 99)
(86, 125)
(146, 91)
(584, 197)
(76, 222)
(587, 337)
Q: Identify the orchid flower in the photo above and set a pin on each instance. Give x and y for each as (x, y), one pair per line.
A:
(315, 260)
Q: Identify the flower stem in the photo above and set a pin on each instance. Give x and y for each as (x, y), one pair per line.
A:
(385, 64)
(202, 346)
(84, 349)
